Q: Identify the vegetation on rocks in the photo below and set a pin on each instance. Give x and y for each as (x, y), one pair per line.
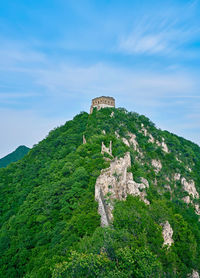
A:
(49, 221)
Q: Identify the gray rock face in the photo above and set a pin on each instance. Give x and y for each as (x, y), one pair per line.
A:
(195, 274)
(157, 165)
(108, 150)
(84, 140)
(190, 187)
(131, 141)
(197, 209)
(167, 234)
(116, 182)
(162, 144)
(186, 199)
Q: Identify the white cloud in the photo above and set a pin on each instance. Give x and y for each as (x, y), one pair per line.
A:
(101, 78)
(162, 32)
(136, 43)
(148, 92)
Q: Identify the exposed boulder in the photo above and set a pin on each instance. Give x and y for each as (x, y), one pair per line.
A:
(151, 139)
(197, 209)
(126, 142)
(108, 150)
(186, 199)
(84, 140)
(132, 140)
(190, 187)
(112, 114)
(177, 176)
(194, 274)
(167, 234)
(157, 165)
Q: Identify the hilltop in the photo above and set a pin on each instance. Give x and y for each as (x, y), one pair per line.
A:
(16, 155)
(105, 195)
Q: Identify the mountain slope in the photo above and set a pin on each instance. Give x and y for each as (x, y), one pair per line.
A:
(19, 153)
(50, 225)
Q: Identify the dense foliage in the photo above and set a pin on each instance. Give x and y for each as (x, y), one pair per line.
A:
(49, 224)
(18, 154)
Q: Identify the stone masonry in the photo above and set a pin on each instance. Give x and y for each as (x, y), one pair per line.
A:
(102, 102)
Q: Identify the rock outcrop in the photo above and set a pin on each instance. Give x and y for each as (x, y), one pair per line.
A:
(157, 165)
(167, 234)
(190, 187)
(84, 140)
(108, 150)
(116, 182)
(194, 274)
(162, 144)
(131, 141)
(186, 199)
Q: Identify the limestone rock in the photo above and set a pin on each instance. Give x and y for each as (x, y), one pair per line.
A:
(167, 234)
(144, 130)
(194, 274)
(189, 169)
(157, 165)
(178, 160)
(126, 142)
(84, 140)
(177, 176)
(151, 139)
(132, 140)
(190, 187)
(197, 209)
(187, 186)
(164, 146)
(116, 182)
(186, 199)
(104, 149)
(112, 114)
(117, 135)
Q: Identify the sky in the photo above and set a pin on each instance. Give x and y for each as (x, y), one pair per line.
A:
(56, 55)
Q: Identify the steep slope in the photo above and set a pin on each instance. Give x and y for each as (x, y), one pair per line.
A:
(18, 154)
(146, 184)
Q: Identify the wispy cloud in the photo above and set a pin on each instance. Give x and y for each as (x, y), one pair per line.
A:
(162, 33)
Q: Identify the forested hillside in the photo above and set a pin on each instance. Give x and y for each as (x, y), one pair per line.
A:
(19, 153)
(49, 220)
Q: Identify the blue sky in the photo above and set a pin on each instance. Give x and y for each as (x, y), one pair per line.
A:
(56, 55)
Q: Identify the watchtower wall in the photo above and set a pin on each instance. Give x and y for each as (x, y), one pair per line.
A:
(102, 102)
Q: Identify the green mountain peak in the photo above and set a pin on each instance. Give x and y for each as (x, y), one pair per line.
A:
(105, 195)
(16, 155)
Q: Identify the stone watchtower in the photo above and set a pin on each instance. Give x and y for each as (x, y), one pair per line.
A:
(102, 102)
